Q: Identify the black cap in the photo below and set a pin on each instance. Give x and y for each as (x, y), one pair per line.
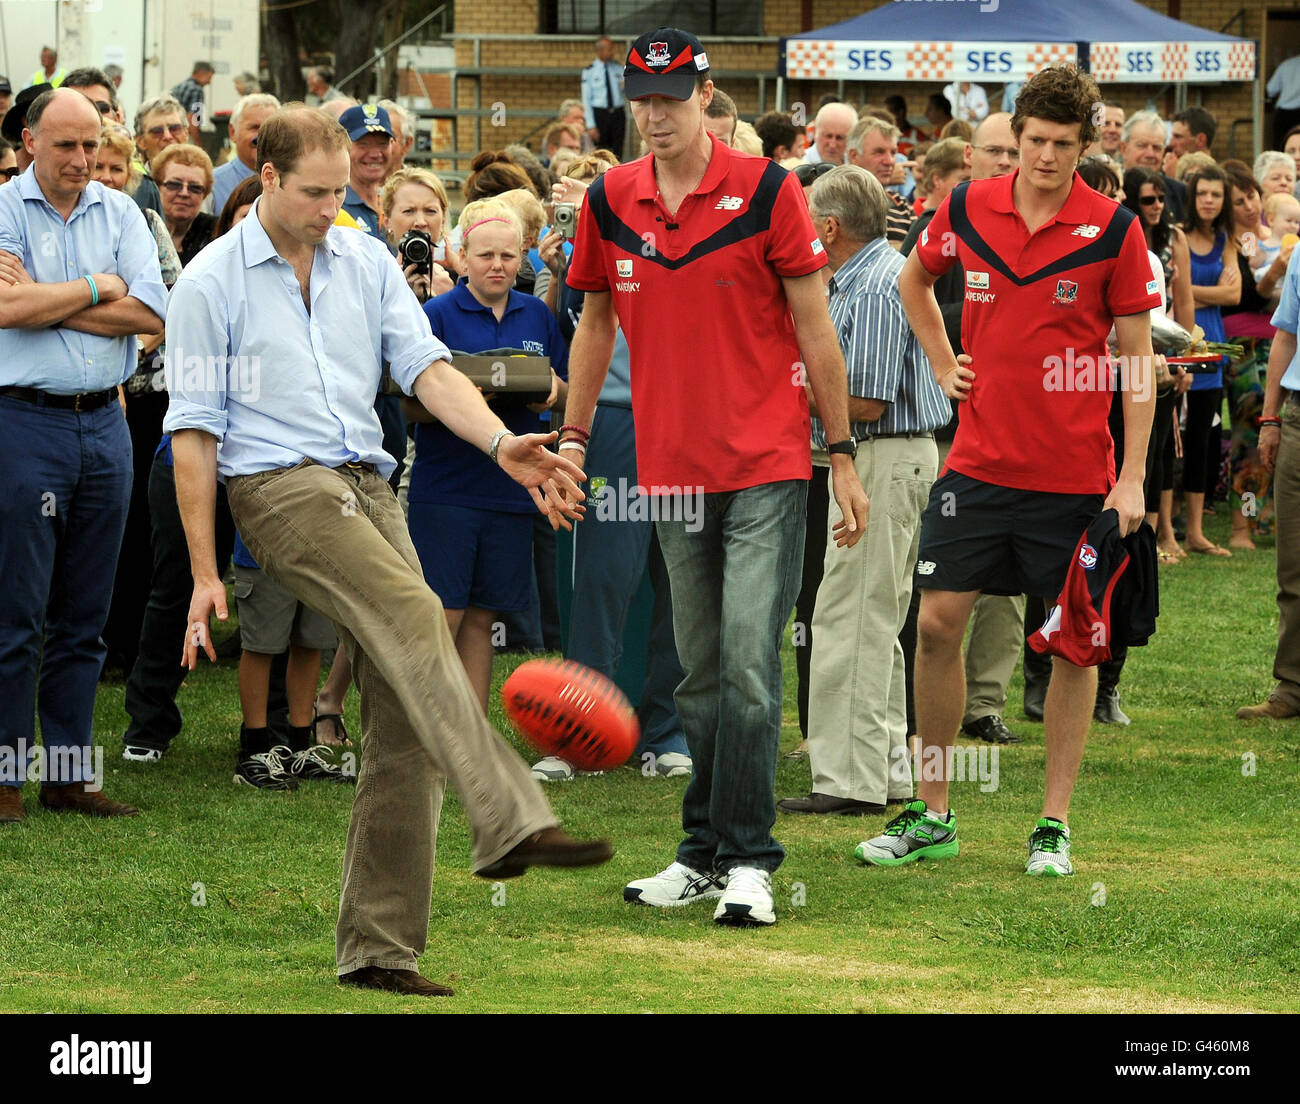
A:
(664, 63)
(16, 116)
(5, 86)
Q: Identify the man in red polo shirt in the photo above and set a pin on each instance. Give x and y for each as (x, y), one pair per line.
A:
(708, 260)
(1049, 265)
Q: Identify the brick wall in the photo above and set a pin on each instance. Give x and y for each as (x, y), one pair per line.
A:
(782, 17)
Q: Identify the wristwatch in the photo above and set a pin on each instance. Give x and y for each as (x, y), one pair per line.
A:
(849, 447)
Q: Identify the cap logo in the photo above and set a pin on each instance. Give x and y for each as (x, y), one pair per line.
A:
(369, 111)
(701, 61)
(658, 54)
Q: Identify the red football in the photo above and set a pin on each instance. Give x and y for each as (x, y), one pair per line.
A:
(570, 711)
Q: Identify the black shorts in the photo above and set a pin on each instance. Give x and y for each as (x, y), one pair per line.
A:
(1000, 540)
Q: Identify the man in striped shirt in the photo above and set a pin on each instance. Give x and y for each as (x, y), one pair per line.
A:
(872, 146)
(857, 722)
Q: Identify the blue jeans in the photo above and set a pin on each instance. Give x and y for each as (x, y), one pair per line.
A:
(734, 583)
(67, 482)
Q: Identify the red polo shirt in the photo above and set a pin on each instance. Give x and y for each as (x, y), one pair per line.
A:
(1037, 311)
(717, 393)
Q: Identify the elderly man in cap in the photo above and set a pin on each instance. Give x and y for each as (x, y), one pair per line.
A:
(79, 279)
(722, 439)
(371, 132)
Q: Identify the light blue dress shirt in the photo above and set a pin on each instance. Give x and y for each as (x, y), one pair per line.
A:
(1285, 84)
(275, 385)
(1287, 317)
(881, 353)
(105, 233)
(225, 179)
(594, 93)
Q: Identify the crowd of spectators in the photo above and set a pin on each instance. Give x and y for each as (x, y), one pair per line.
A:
(492, 279)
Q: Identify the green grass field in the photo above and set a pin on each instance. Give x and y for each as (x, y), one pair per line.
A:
(1196, 863)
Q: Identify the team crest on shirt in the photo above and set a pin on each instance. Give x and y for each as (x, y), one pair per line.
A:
(623, 267)
(1067, 293)
(658, 54)
(1087, 557)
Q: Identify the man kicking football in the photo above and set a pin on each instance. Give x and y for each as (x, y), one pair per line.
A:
(1049, 266)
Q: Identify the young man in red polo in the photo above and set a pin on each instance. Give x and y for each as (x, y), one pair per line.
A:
(708, 260)
(1049, 266)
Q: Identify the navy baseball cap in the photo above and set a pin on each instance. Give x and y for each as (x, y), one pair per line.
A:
(664, 63)
(16, 116)
(366, 119)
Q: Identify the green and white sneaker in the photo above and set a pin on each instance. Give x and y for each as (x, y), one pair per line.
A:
(1049, 849)
(911, 836)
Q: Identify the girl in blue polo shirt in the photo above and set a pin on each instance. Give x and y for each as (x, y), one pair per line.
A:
(470, 523)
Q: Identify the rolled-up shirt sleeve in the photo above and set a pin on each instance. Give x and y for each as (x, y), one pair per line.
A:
(407, 343)
(198, 349)
(137, 262)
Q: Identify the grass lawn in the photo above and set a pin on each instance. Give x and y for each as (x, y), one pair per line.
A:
(1195, 861)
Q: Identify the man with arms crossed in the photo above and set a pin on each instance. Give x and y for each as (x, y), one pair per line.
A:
(1049, 264)
(708, 260)
(297, 319)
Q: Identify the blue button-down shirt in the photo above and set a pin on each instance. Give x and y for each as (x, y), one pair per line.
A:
(225, 179)
(274, 384)
(105, 233)
(883, 357)
(1287, 317)
(594, 92)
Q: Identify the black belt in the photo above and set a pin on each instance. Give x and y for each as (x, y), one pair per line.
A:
(86, 401)
(929, 435)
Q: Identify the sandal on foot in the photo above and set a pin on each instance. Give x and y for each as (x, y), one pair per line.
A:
(1212, 550)
(338, 736)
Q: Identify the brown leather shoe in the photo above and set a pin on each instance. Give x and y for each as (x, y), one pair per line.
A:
(11, 805)
(407, 982)
(822, 804)
(549, 847)
(1268, 711)
(75, 798)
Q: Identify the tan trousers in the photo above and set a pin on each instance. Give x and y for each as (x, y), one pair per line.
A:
(997, 634)
(336, 539)
(857, 712)
(1286, 511)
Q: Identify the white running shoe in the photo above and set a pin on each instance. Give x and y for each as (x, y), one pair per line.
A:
(133, 754)
(678, 885)
(673, 764)
(748, 899)
(552, 769)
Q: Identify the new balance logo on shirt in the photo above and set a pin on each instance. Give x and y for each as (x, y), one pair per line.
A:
(730, 203)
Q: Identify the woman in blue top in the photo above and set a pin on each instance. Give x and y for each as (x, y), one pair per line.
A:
(470, 523)
(1216, 284)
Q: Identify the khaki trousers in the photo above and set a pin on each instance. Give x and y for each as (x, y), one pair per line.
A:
(1286, 507)
(857, 713)
(997, 634)
(336, 540)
